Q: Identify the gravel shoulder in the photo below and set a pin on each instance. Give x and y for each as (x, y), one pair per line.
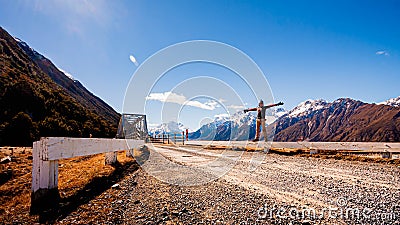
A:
(282, 190)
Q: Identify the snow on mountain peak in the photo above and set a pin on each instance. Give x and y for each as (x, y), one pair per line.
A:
(23, 44)
(67, 74)
(223, 116)
(307, 107)
(280, 112)
(239, 118)
(170, 127)
(395, 102)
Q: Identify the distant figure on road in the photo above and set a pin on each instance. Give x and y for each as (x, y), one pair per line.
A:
(260, 122)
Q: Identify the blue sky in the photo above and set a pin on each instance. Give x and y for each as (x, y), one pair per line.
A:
(306, 49)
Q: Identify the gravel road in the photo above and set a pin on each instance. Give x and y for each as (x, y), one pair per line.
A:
(281, 190)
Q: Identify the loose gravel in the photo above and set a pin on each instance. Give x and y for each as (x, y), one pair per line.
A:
(282, 190)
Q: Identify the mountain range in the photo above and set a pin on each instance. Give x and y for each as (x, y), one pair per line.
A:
(171, 127)
(38, 99)
(70, 85)
(344, 119)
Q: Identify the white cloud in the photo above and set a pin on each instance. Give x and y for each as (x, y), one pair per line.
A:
(167, 97)
(385, 53)
(133, 59)
(181, 100)
(236, 107)
(152, 125)
(222, 115)
(210, 105)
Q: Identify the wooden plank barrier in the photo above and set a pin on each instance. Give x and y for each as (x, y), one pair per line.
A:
(49, 150)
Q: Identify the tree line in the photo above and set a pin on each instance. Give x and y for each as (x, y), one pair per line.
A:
(30, 111)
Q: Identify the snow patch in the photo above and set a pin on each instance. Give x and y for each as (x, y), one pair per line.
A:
(67, 74)
(307, 107)
(25, 45)
(221, 116)
(394, 102)
(170, 127)
(280, 112)
(21, 42)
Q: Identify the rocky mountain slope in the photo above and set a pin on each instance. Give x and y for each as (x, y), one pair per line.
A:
(395, 102)
(315, 120)
(71, 86)
(239, 126)
(170, 128)
(342, 120)
(38, 100)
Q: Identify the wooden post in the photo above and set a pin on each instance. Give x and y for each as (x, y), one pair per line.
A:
(313, 150)
(168, 138)
(163, 138)
(111, 158)
(44, 180)
(183, 137)
(130, 152)
(174, 138)
(386, 154)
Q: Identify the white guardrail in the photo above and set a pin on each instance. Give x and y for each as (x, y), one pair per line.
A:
(49, 150)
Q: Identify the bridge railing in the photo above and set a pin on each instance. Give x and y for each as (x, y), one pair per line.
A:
(49, 150)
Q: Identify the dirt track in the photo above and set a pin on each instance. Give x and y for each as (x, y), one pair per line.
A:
(282, 189)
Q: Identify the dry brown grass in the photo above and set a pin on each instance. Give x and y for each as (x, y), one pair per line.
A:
(223, 147)
(360, 158)
(75, 175)
(325, 154)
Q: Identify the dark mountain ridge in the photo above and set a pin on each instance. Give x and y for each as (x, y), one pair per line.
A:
(37, 99)
(73, 87)
(342, 120)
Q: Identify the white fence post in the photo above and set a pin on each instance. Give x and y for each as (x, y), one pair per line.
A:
(44, 179)
(48, 151)
(130, 152)
(110, 158)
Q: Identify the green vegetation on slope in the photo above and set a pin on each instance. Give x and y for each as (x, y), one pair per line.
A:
(34, 106)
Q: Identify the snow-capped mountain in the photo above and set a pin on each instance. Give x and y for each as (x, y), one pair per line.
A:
(307, 107)
(170, 127)
(280, 112)
(221, 118)
(344, 119)
(239, 126)
(395, 102)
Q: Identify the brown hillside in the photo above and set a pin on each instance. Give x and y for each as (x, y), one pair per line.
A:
(343, 120)
(33, 105)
